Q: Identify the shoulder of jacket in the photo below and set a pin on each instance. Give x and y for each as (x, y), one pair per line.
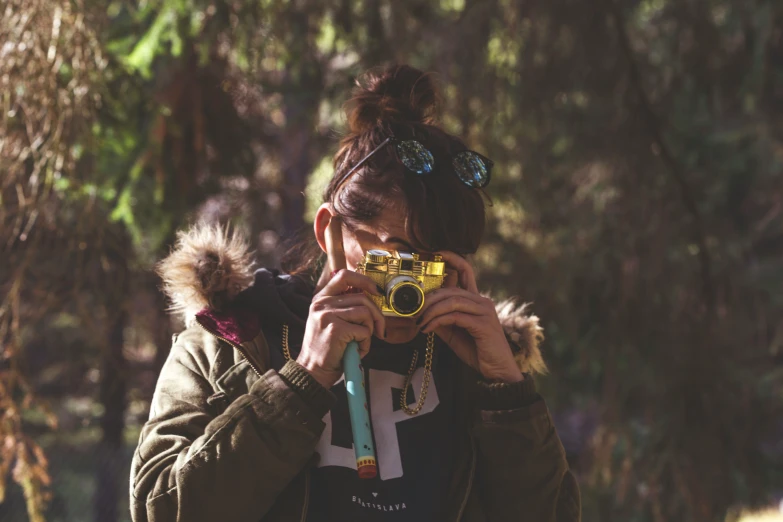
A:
(197, 349)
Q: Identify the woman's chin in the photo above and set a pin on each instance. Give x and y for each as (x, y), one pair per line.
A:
(400, 322)
(400, 329)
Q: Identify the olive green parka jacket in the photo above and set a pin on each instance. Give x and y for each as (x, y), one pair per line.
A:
(229, 439)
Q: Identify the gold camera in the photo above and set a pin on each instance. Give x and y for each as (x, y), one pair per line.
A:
(403, 277)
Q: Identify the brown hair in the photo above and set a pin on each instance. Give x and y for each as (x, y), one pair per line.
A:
(441, 213)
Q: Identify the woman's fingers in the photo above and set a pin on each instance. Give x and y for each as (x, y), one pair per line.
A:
(451, 303)
(465, 275)
(362, 314)
(354, 315)
(470, 322)
(361, 333)
(446, 293)
(355, 300)
(345, 280)
(336, 318)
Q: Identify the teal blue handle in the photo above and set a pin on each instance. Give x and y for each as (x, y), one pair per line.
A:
(360, 414)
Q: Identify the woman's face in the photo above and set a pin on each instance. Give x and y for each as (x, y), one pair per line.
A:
(387, 232)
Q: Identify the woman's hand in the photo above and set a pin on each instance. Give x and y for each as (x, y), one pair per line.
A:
(335, 319)
(468, 323)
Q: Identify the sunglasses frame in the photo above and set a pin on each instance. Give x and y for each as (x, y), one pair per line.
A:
(391, 139)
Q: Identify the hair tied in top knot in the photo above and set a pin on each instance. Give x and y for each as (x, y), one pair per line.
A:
(393, 94)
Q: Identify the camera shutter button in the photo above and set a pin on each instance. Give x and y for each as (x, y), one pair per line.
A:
(377, 256)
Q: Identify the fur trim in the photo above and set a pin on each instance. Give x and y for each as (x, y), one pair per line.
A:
(208, 267)
(524, 330)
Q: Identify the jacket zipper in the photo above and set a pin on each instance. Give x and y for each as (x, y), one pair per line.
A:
(307, 496)
(258, 372)
(470, 478)
(238, 347)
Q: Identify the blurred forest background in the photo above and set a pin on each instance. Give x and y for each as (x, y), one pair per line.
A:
(638, 205)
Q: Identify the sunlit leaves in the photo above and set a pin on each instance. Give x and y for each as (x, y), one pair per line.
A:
(163, 30)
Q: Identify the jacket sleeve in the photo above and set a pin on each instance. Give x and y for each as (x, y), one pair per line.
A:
(521, 464)
(191, 464)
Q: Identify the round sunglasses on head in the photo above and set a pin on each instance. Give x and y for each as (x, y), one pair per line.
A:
(473, 169)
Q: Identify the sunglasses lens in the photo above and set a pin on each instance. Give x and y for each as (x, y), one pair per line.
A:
(471, 169)
(415, 157)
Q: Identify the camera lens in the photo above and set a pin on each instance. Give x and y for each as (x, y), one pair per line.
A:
(406, 299)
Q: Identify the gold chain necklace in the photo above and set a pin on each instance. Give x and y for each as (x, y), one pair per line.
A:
(425, 384)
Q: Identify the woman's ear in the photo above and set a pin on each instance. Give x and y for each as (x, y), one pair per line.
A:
(322, 219)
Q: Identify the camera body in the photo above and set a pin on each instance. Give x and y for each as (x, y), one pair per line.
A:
(404, 277)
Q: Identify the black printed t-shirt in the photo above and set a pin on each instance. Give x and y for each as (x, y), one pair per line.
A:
(415, 453)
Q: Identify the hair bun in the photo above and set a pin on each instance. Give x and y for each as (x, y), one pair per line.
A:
(394, 94)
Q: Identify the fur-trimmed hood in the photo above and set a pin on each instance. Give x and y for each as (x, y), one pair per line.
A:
(211, 269)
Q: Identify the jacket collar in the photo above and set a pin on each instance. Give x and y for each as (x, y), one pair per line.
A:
(209, 277)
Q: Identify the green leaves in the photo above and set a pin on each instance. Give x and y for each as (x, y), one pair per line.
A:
(162, 31)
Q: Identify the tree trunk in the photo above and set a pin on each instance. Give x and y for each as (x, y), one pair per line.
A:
(110, 476)
(302, 88)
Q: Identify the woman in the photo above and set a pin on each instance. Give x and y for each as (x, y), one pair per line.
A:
(249, 420)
